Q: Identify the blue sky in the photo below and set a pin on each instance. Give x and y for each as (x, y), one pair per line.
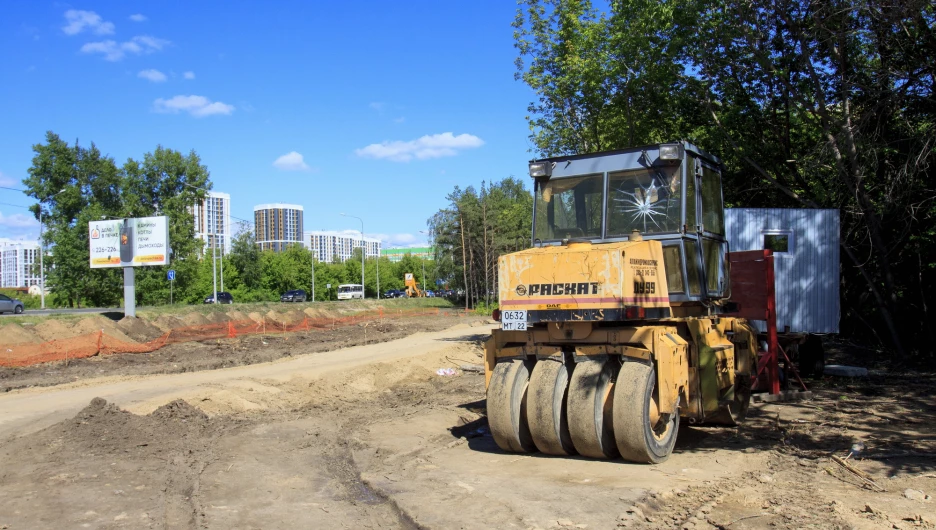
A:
(376, 109)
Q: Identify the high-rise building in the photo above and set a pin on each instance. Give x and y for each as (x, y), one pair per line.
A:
(276, 226)
(326, 245)
(213, 221)
(19, 265)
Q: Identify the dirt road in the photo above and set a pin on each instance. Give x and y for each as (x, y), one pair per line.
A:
(372, 437)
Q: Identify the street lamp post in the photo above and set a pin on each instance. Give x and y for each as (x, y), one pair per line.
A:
(362, 251)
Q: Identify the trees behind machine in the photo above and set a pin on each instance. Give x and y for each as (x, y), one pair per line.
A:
(815, 105)
(475, 228)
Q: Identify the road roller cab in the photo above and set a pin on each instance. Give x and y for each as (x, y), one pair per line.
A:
(610, 324)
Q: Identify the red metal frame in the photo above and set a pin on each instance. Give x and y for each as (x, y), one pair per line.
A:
(753, 290)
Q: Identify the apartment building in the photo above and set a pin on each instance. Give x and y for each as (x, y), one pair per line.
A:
(213, 221)
(328, 245)
(19, 265)
(276, 226)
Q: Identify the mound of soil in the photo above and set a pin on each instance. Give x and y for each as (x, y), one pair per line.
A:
(194, 319)
(256, 317)
(179, 411)
(236, 316)
(51, 329)
(294, 316)
(167, 323)
(98, 323)
(139, 330)
(276, 318)
(16, 334)
(313, 313)
(103, 427)
(217, 318)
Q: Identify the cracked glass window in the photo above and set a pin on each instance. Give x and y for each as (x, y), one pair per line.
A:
(646, 200)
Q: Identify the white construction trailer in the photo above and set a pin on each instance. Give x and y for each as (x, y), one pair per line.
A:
(805, 244)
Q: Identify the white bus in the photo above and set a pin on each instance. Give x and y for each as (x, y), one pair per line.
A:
(350, 291)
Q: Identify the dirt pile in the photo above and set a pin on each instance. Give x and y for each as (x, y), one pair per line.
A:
(105, 428)
(168, 323)
(217, 318)
(139, 330)
(99, 323)
(237, 316)
(194, 319)
(14, 334)
(53, 330)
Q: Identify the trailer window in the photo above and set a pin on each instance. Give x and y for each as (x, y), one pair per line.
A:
(569, 207)
(779, 242)
(646, 200)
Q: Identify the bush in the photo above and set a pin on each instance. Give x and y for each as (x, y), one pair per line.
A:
(484, 309)
(245, 295)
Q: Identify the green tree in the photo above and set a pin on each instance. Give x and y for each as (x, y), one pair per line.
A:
(475, 229)
(245, 256)
(809, 104)
(75, 185)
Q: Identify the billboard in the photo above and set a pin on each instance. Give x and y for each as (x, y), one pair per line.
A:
(129, 242)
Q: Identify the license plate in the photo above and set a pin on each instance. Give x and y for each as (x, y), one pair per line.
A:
(514, 320)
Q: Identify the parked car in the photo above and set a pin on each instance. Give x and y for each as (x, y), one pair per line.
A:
(430, 294)
(296, 295)
(394, 293)
(10, 304)
(223, 298)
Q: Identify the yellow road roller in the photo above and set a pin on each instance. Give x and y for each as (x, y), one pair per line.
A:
(613, 325)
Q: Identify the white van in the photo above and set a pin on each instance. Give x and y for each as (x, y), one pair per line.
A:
(350, 291)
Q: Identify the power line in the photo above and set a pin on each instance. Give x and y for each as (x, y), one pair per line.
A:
(16, 205)
(11, 189)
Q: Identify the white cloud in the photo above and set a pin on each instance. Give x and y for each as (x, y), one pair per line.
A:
(189, 75)
(425, 147)
(152, 75)
(114, 51)
(138, 18)
(377, 105)
(198, 106)
(401, 119)
(19, 225)
(291, 161)
(79, 21)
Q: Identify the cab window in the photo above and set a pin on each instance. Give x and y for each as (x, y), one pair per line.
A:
(713, 214)
(569, 207)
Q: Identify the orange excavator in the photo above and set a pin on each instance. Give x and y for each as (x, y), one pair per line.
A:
(412, 288)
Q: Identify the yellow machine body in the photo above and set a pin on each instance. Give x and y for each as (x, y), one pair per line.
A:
(412, 288)
(611, 325)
